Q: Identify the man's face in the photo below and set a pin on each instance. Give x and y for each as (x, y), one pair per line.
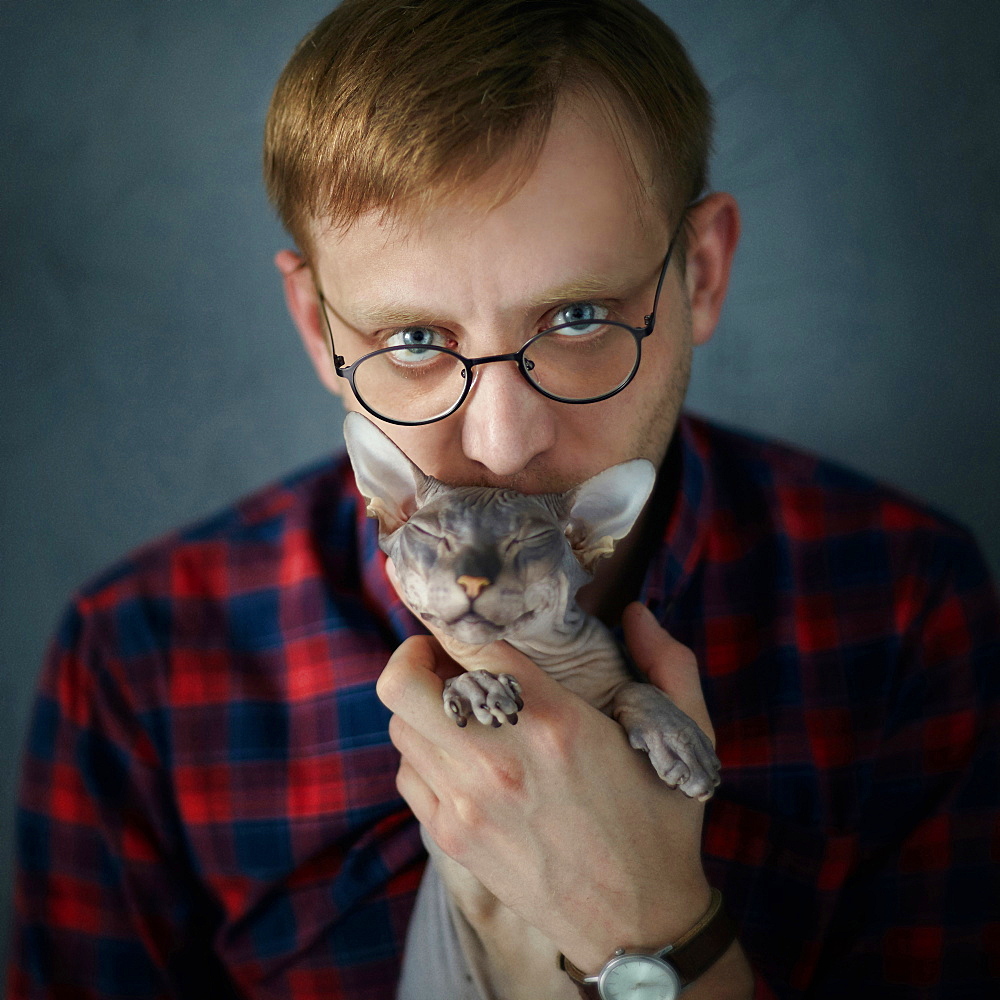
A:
(486, 281)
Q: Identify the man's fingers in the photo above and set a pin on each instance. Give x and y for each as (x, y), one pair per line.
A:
(412, 687)
(420, 732)
(671, 666)
(415, 673)
(417, 793)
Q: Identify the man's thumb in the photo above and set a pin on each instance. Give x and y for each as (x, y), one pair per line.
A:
(671, 666)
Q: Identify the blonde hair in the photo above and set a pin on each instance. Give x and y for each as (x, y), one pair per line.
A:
(393, 104)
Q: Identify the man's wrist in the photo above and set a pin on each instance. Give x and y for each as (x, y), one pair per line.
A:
(673, 966)
(647, 933)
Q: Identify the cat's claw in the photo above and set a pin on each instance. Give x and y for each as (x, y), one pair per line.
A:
(680, 752)
(491, 699)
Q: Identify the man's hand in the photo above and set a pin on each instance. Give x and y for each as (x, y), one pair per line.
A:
(558, 817)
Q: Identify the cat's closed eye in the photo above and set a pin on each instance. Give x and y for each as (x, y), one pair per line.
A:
(537, 535)
(530, 537)
(429, 537)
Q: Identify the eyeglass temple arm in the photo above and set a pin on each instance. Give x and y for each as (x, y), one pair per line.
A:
(338, 359)
(650, 320)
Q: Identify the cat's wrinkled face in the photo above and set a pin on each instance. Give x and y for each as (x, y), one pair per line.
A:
(486, 564)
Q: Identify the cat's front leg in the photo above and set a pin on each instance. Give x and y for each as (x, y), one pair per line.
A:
(680, 752)
(489, 698)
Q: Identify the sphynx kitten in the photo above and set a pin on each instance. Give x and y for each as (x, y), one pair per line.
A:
(479, 565)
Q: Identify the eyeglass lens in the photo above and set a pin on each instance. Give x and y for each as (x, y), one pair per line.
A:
(410, 383)
(572, 362)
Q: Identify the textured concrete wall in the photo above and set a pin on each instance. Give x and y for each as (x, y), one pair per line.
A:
(149, 373)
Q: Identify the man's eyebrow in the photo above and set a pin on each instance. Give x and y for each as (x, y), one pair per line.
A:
(387, 314)
(587, 286)
(579, 289)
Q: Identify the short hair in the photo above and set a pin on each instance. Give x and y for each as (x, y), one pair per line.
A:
(397, 104)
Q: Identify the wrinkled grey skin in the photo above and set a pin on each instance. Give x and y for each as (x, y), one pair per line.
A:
(483, 564)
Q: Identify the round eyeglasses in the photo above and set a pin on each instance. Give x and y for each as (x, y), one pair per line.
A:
(582, 361)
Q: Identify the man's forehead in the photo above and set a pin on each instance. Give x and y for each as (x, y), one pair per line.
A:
(374, 277)
(586, 167)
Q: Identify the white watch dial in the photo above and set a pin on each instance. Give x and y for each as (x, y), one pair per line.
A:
(639, 977)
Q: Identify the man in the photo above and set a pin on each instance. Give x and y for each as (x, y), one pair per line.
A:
(210, 801)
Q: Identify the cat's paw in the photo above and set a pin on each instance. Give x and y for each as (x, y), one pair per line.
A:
(489, 698)
(683, 757)
(681, 753)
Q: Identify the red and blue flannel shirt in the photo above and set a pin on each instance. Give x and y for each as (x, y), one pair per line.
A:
(208, 806)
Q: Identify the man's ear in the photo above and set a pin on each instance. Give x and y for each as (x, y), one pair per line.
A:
(605, 508)
(386, 478)
(713, 229)
(304, 308)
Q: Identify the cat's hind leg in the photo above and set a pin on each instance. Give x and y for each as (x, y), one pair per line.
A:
(489, 698)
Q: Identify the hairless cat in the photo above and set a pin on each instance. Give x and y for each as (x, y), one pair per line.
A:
(482, 564)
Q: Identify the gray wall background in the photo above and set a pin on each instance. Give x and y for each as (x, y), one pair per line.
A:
(149, 374)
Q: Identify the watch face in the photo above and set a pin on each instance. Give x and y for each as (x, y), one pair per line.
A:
(639, 977)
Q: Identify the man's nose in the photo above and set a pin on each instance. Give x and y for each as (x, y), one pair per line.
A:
(506, 422)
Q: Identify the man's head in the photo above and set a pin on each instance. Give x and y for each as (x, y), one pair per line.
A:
(478, 171)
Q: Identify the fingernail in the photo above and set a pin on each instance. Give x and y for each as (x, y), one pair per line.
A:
(647, 616)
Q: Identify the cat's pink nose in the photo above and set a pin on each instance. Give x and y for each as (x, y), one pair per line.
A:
(472, 585)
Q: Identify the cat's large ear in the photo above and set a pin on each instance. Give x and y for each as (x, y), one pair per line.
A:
(386, 478)
(605, 507)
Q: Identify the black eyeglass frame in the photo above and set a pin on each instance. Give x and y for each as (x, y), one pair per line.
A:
(640, 333)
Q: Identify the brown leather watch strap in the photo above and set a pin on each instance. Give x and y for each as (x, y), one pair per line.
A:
(706, 942)
(691, 955)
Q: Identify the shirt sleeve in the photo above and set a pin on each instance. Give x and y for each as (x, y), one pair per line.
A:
(105, 905)
(918, 912)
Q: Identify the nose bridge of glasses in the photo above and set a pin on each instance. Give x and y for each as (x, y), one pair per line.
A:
(501, 388)
(523, 365)
(488, 359)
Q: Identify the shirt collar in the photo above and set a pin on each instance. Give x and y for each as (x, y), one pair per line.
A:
(685, 489)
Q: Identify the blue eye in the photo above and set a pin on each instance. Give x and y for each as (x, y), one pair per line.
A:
(584, 317)
(417, 339)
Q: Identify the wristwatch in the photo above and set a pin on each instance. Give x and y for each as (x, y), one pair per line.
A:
(632, 975)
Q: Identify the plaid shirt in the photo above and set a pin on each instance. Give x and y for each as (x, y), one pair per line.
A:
(208, 804)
